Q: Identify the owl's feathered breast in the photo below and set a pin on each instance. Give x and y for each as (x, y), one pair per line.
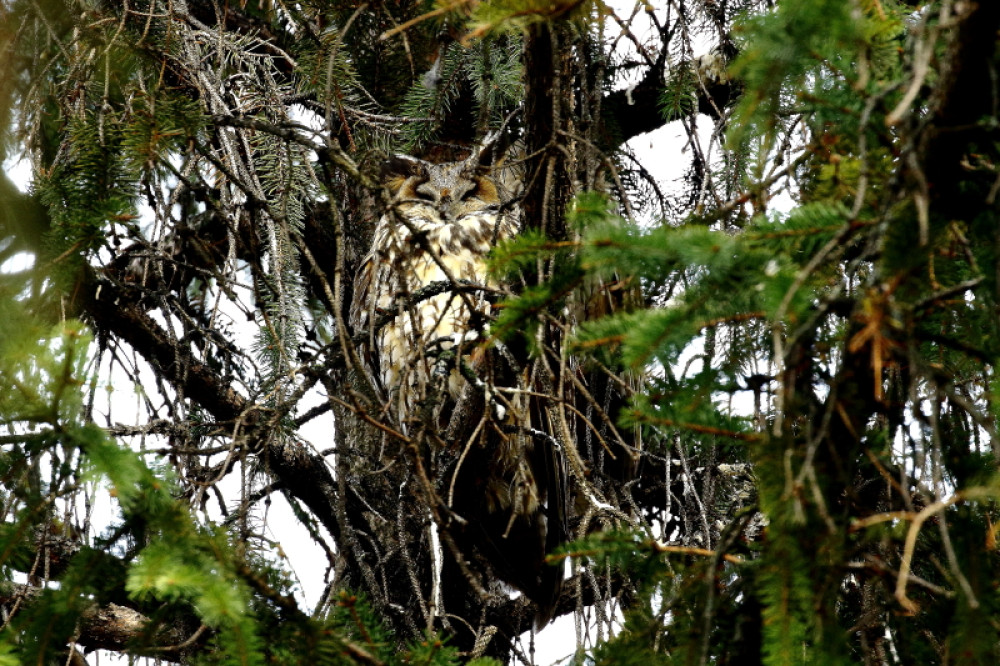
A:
(439, 233)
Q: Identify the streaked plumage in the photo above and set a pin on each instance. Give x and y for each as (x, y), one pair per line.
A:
(445, 218)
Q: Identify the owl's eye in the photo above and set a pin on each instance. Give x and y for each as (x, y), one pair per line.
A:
(470, 194)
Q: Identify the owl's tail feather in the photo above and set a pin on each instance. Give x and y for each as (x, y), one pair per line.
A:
(515, 516)
(556, 533)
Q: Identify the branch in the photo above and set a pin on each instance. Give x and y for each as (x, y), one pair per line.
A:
(112, 627)
(636, 109)
(113, 309)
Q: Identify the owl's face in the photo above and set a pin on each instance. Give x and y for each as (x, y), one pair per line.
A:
(445, 192)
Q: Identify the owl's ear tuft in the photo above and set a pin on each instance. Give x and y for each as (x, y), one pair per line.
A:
(396, 170)
(403, 166)
(487, 152)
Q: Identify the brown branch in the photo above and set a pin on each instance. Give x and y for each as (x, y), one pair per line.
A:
(115, 309)
(695, 427)
(111, 627)
(112, 310)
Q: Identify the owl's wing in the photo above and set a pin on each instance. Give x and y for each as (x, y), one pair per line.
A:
(361, 301)
(362, 313)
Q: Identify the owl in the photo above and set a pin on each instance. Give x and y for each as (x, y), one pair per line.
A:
(445, 220)
(423, 295)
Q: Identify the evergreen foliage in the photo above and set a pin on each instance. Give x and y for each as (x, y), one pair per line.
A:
(856, 300)
(170, 562)
(799, 360)
(487, 71)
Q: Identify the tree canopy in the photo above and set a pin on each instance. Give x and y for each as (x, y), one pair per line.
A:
(770, 380)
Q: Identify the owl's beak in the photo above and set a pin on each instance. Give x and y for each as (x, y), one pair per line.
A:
(444, 205)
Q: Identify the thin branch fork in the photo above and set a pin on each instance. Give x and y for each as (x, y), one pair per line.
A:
(917, 519)
(701, 552)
